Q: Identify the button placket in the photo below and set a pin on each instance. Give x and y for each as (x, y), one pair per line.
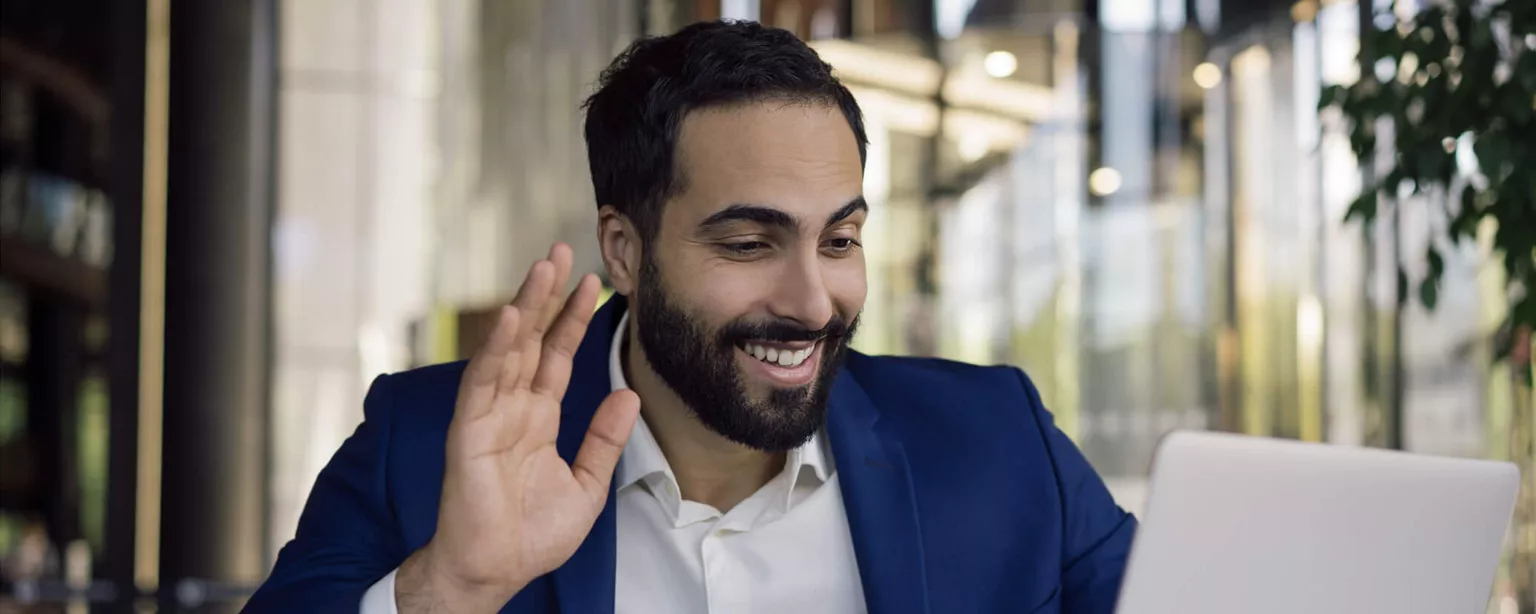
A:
(710, 565)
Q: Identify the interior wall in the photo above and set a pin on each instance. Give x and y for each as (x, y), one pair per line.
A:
(357, 162)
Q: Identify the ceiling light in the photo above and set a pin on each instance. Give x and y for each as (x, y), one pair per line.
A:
(1001, 64)
(1207, 75)
(973, 147)
(1104, 181)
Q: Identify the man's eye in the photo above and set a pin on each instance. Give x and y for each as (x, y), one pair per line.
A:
(745, 248)
(842, 244)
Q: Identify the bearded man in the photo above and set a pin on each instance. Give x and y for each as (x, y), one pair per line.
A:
(706, 442)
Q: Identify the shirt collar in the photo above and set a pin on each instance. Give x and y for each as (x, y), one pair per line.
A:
(643, 457)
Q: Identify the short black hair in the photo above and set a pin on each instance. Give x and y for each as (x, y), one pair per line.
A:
(634, 118)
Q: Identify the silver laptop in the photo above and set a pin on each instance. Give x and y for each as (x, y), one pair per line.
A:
(1260, 526)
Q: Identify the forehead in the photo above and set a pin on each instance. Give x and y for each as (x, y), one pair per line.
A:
(802, 158)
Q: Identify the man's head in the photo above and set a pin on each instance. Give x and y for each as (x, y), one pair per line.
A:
(728, 168)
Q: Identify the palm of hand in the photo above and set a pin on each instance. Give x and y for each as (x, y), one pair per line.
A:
(527, 511)
(512, 509)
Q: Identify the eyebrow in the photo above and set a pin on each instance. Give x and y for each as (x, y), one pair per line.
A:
(854, 206)
(757, 214)
(769, 216)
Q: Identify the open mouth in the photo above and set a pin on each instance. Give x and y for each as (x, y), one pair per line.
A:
(782, 364)
(781, 354)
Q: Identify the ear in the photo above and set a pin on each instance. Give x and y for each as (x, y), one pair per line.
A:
(619, 241)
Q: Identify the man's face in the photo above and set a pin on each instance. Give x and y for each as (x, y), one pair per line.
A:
(748, 295)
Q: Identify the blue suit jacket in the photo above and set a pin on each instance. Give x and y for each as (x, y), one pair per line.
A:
(961, 494)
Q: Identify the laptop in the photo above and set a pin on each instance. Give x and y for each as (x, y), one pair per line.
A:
(1261, 526)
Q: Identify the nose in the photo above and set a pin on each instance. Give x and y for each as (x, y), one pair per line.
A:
(801, 293)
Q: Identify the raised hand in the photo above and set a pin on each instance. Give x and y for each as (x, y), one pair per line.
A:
(512, 509)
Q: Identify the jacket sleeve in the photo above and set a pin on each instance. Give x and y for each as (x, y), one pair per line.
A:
(1097, 539)
(347, 537)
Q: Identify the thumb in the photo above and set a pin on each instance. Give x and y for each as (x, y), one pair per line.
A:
(599, 454)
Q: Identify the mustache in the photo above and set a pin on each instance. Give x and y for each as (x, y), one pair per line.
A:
(783, 331)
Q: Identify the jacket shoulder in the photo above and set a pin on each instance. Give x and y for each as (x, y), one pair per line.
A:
(909, 376)
(431, 378)
(423, 388)
(933, 397)
(418, 402)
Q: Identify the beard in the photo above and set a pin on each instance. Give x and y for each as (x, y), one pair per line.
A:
(699, 365)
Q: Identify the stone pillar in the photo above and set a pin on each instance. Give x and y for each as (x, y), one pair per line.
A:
(217, 298)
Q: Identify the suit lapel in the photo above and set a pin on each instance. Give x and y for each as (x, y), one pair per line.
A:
(584, 583)
(878, 500)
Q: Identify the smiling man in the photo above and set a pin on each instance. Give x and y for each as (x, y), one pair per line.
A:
(706, 442)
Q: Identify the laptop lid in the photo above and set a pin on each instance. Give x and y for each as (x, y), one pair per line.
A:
(1244, 524)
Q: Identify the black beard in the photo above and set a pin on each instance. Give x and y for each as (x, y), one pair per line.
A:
(700, 366)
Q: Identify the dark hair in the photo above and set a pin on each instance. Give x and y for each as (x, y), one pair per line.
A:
(634, 117)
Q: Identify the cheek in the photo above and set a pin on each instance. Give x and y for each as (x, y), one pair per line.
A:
(847, 284)
(719, 295)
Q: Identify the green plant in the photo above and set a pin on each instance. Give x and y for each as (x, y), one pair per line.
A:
(1458, 73)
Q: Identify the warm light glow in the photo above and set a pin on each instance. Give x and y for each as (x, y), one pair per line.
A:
(1207, 75)
(907, 114)
(152, 255)
(1001, 64)
(1009, 98)
(1309, 323)
(1304, 11)
(881, 68)
(973, 147)
(1104, 181)
(1310, 330)
(917, 80)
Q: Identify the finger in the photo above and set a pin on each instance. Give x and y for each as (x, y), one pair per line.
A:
(478, 384)
(534, 294)
(530, 301)
(599, 453)
(554, 371)
(510, 379)
(560, 256)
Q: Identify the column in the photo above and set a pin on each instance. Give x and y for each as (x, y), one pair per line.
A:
(218, 216)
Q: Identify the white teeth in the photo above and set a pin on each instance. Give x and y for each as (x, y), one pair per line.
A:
(783, 358)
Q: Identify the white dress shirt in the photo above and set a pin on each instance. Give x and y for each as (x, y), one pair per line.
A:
(786, 548)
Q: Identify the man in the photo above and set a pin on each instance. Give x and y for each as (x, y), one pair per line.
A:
(706, 442)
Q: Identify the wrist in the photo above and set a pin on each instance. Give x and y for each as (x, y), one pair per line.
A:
(424, 584)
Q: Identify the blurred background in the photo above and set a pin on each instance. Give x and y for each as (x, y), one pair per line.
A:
(220, 220)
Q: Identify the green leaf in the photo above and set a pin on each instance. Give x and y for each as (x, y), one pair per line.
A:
(1432, 164)
(1525, 71)
(1464, 223)
(1363, 208)
(1503, 341)
(1524, 311)
(1492, 151)
(1331, 96)
(1429, 292)
(1402, 287)
(1436, 263)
